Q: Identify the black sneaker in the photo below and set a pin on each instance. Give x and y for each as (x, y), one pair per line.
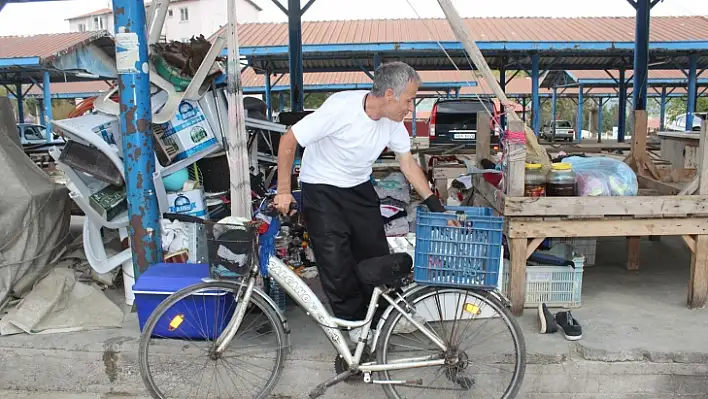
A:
(547, 324)
(571, 327)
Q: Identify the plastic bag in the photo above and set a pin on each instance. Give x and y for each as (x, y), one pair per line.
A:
(600, 176)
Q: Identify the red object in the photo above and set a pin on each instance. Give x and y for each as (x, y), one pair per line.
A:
(493, 178)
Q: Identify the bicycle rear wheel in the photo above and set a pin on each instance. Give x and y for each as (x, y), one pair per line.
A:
(477, 358)
(177, 345)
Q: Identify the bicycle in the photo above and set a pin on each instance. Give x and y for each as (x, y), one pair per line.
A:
(404, 298)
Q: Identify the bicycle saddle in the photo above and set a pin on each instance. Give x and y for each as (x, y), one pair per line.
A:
(389, 269)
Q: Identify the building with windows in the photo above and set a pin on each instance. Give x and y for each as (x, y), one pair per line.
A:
(185, 18)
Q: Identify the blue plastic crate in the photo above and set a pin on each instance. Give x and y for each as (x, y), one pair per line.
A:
(464, 256)
(200, 310)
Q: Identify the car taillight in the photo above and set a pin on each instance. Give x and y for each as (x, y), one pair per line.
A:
(431, 125)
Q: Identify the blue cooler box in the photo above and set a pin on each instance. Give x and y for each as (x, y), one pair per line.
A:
(198, 310)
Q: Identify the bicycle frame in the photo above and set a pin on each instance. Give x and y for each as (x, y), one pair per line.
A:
(308, 301)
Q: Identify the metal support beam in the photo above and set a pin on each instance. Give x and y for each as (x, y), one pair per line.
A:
(135, 124)
(415, 119)
(554, 101)
(297, 93)
(47, 114)
(600, 108)
(377, 61)
(536, 105)
(268, 97)
(692, 90)
(502, 84)
(304, 9)
(20, 103)
(622, 110)
(523, 111)
(641, 55)
(662, 109)
(579, 123)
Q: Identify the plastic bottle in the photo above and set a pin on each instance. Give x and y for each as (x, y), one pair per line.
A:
(561, 181)
(534, 181)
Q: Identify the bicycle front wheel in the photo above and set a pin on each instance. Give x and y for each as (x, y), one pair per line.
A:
(177, 345)
(485, 356)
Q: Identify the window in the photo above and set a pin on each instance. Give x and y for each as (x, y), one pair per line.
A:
(32, 133)
(98, 23)
(169, 13)
(82, 27)
(184, 14)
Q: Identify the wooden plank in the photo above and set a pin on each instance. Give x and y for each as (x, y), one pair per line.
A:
(517, 275)
(633, 249)
(514, 164)
(484, 137)
(533, 244)
(690, 242)
(491, 194)
(698, 283)
(639, 141)
(665, 206)
(702, 169)
(664, 188)
(530, 228)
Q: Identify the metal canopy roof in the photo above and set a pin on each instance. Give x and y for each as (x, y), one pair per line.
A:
(562, 43)
(657, 78)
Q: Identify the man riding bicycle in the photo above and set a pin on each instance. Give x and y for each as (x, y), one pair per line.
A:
(342, 140)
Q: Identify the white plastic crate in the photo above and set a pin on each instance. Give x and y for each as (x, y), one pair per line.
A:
(556, 286)
(585, 246)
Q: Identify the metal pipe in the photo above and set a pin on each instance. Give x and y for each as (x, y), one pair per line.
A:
(47, 105)
(502, 84)
(622, 111)
(554, 101)
(579, 123)
(662, 110)
(415, 119)
(536, 104)
(268, 95)
(20, 103)
(297, 93)
(641, 55)
(600, 106)
(692, 91)
(135, 124)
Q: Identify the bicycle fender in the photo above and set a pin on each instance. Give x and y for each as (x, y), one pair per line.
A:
(411, 290)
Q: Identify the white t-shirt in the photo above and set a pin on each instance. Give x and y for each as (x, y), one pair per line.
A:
(342, 142)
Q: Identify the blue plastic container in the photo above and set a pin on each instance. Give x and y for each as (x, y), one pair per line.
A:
(465, 256)
(205, 315)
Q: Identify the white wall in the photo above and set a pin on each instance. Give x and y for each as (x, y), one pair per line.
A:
(90, 22)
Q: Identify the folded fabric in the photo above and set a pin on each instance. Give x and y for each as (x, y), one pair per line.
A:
(174, 236)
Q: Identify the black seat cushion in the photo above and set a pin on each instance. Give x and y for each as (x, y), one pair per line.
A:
(385, 270)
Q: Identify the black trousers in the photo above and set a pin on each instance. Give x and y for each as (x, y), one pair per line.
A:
(345, 227)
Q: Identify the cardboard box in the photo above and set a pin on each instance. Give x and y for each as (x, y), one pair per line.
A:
(188, 203)
(188, 133)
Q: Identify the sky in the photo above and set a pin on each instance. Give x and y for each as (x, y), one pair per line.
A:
(50, 17)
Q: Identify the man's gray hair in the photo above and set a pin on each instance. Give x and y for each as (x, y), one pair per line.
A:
(395, 76)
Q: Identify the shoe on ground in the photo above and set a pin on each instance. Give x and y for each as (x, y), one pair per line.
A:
(404, 326)
(547, 323)
(570, 326)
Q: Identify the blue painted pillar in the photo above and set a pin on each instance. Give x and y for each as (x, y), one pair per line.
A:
(600, 107)
(662, 110)
(691, 104)
(641, 55)
(282, 101)
(415, 119)
(377, 61)
(135, 120)
(622, 110)
(47, 114)
(535, 100)
(554, 100)
(20, 104)
(523, 108)
(502, 84)
(579, 123)
(297, 93)
(268, 95)
(457, 92)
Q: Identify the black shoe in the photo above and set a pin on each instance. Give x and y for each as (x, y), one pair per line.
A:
(546, 321)
(571, 327)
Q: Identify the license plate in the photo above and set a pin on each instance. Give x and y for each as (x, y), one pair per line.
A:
(464, 136)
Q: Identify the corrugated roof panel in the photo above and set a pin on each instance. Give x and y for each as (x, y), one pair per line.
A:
(44, 46)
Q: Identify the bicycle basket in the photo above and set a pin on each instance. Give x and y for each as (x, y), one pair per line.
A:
(231, 249)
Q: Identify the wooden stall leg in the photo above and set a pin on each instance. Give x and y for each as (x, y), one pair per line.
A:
(517, 274)
(698, 283)
(633, 247)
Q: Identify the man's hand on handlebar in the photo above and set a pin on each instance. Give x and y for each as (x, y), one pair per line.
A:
(285, 203)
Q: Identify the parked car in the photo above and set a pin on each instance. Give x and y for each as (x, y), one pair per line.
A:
(454, 121)
(564, 130)
(679, 123)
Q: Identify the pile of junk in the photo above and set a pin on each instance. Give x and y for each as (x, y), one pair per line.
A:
(189, 121)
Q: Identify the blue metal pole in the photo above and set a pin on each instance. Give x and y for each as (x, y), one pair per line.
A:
(579, 123)
(622, 110)
(523, 108)
(536, 103)
(135, 120)
(502, 84)
(601, 105)
(415, 119)
(20, 104)
(641, 55)
(662, 110)
(41, 110)
(47, 114)
(554, 100)
(691, 104)
(268, 94)
(282, 101)
(377, 61)
(297, 93)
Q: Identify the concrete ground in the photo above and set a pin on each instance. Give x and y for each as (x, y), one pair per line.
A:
(640, 341)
